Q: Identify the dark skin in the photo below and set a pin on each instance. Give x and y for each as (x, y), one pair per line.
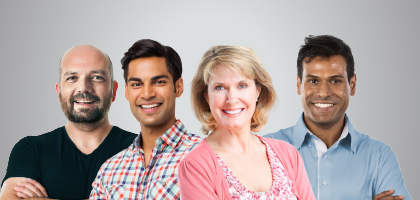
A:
(150, 85)
(325, 90)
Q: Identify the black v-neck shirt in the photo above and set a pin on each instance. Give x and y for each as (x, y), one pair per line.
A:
(63, 170)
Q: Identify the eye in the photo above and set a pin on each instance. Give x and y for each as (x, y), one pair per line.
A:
(160, 82)
(219, 88)
(135, 84)
(243, 86)
(71, 79)
(335, 81)
(98, 78)
(313, 81)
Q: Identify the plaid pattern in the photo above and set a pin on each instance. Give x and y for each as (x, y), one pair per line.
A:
(124, 176)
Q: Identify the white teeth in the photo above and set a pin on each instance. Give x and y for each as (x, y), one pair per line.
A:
(232, 111)
(150, 106)
(323, 105)
(84, 101)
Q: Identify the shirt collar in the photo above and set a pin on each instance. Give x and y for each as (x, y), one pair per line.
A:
(171, 137)
(300, 132)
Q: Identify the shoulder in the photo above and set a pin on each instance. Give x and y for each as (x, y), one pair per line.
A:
(282, 146)
(120, 157)
(123, 133)
(372, 145)
(190, 140)
(202, 153)
(282, 134)
(41, 140)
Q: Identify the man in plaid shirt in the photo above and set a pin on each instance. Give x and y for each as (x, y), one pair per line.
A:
(148, 169)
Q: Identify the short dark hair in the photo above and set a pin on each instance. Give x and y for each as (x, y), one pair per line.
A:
(150, 48)
(324, 46)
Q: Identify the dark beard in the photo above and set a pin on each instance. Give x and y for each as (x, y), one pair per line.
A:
(86, 116)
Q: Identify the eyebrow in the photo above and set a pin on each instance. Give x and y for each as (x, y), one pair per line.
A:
(221, 83)
(102, 72)
(153, 78)
(313, 76)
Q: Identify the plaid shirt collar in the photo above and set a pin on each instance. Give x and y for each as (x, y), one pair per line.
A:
(171, 137)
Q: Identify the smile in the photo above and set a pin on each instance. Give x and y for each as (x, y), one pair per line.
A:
(85, 101)
(150, 106)
(323, 105)
(232, 112)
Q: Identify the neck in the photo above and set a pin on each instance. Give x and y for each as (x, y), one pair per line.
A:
(149, 134)
(328, 133)
(232, 140)
(87, 137)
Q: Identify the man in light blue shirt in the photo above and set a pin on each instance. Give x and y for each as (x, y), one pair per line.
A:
(341, 162)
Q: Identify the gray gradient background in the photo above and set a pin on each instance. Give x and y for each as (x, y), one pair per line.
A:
(383, 35)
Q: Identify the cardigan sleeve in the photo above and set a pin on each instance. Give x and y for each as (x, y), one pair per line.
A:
(195, 181)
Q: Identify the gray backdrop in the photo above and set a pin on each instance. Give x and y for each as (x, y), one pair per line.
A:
(384, 37)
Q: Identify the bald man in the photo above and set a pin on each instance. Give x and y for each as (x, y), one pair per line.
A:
(63, 163)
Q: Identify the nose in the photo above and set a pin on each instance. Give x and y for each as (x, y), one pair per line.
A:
(324, 90)
(232, 97)
(148, 92)
(85, 85)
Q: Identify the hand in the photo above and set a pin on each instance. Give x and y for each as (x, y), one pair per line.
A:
(30, 188)
(386, 195)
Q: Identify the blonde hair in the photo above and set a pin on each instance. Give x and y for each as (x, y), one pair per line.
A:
(240, 59)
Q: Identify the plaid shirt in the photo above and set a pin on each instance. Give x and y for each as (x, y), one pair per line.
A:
(124, 176)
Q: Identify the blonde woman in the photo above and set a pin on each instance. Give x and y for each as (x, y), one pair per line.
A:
(232, 95)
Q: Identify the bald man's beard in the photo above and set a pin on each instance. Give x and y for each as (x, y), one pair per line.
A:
(86, 115)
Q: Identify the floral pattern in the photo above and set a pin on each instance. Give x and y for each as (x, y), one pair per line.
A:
(281, 188)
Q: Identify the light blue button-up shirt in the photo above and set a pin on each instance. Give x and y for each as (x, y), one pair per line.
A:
(356, 167)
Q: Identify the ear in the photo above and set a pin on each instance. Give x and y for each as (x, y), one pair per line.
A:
(298, 84)
(179, 87)
(57, 89)
(258, 91)
(353, 85)
(126, 91)
(114, 90)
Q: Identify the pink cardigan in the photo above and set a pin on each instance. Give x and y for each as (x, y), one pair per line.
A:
(201, 177)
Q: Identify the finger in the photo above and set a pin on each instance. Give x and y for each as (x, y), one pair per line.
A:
(39, 186)
(398, 197)
(32, 188)
(22, 195)
(26, 191)
(384, 193)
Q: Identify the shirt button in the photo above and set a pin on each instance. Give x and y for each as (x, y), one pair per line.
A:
(325, 156)
(141, 191)
(324, 183)
(310, 145)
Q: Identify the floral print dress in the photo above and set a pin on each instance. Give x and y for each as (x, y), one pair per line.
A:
(281, 188)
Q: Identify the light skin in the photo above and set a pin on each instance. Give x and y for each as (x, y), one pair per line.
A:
(151, 94)
(84, 69)
(325, 91)
(232, 100)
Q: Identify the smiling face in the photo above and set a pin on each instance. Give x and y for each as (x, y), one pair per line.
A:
(150, 92)
(232, 98)
(85, 91)
(325, 90)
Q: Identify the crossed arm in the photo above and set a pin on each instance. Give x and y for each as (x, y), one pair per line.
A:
(19, 187)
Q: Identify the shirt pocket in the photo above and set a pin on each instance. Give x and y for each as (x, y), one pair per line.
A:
(115, 192)
(166, 189)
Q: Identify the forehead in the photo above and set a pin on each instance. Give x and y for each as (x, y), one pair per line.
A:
(146, 68)
(334, 65)
(84, 61)
(225, 75)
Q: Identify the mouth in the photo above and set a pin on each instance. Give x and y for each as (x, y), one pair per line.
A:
(84, 102)
(233, 111)
(150, 106)
(323, 105)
